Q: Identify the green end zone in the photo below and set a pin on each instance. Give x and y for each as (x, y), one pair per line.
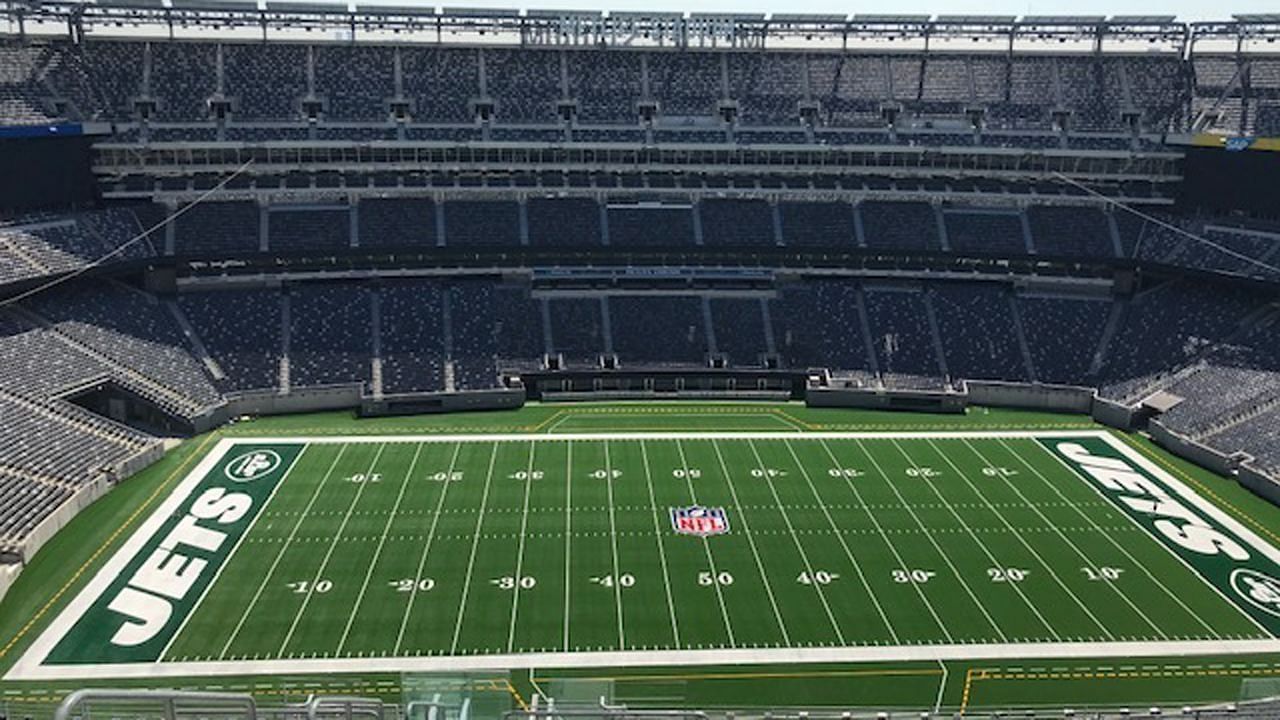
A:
(492, 552)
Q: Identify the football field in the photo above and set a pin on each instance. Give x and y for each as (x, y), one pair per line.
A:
(457, 552)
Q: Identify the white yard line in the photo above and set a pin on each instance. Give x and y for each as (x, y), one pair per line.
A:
(933, 541)
(1080, 553)
(475, 545)
(426, 549)
(231, 556)
(843, 542)
(1020, 652)
(1125, 551)
(1021, 539)
(902, 563)
(328, 555)
(613, 544)
(524, 526)
(253, 603)
(662, 551)
(786, 519)
(706, 546)
(751, 542)
(995, 562)
(377, 554)
(568, 534)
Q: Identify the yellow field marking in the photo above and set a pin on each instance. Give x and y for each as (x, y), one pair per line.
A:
(198, 452)
(881, 672)
(515, 694)
(1218, 499)
(550, 418)
(968, 684)
(492, 686)
(975, 674)
(806, 425)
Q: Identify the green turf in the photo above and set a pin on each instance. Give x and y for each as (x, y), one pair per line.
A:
(473, 547)
(887, 519)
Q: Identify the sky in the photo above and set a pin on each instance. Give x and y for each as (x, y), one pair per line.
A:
(1184, 9)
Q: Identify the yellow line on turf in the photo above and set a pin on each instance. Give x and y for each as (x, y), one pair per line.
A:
(1221, 501)
(516, 695)
(550, 418)
(976, 674)
(198, 452)
(751, 675)
(968, 685)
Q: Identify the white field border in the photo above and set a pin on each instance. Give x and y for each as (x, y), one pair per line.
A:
(31, 665)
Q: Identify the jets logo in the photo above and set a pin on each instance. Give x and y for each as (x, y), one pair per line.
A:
(700, 521)
(1262, 591)
(1236, 144)
(252, 465)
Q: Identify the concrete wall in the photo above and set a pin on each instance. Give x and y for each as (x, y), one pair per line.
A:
(1034, 396)
(1109, 412)
(302, 400)
(423, 403)
(83, 498)
(1259, 483)
(873, 399)
(1185, 447)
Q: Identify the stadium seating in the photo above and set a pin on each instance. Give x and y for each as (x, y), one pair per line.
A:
(577, 329)
(356, 83)
(412, 334)
(736, 222)
(976, 323)
(241, 331)
(1166, 327)
(564, 221)
(1063, 335)
(900, 226)
(329, 340)
(816, 324)
(636, 319)
(474, 347)
(817, 224)
(902, 336)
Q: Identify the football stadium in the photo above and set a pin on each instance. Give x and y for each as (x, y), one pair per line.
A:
(421, 363)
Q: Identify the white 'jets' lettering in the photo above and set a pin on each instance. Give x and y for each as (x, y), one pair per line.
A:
(168, 574)
(1178, 522)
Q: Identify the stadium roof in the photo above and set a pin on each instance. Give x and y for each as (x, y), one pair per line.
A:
(483, 12)
(215, 5)
(891, 18)
(976, 19)
(803, 18)
(319, 8)
(393, 10)
(1063, 19)
(1142, 19)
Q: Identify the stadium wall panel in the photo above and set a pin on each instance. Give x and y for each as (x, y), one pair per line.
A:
(881, 399)
(1259, 483)
(419, 403)
(1062, 398)
(8, 574)
(1185, 447)
(303, 400)
(1110, 412)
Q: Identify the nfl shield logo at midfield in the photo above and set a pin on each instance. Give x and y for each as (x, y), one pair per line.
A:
(699, 520)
